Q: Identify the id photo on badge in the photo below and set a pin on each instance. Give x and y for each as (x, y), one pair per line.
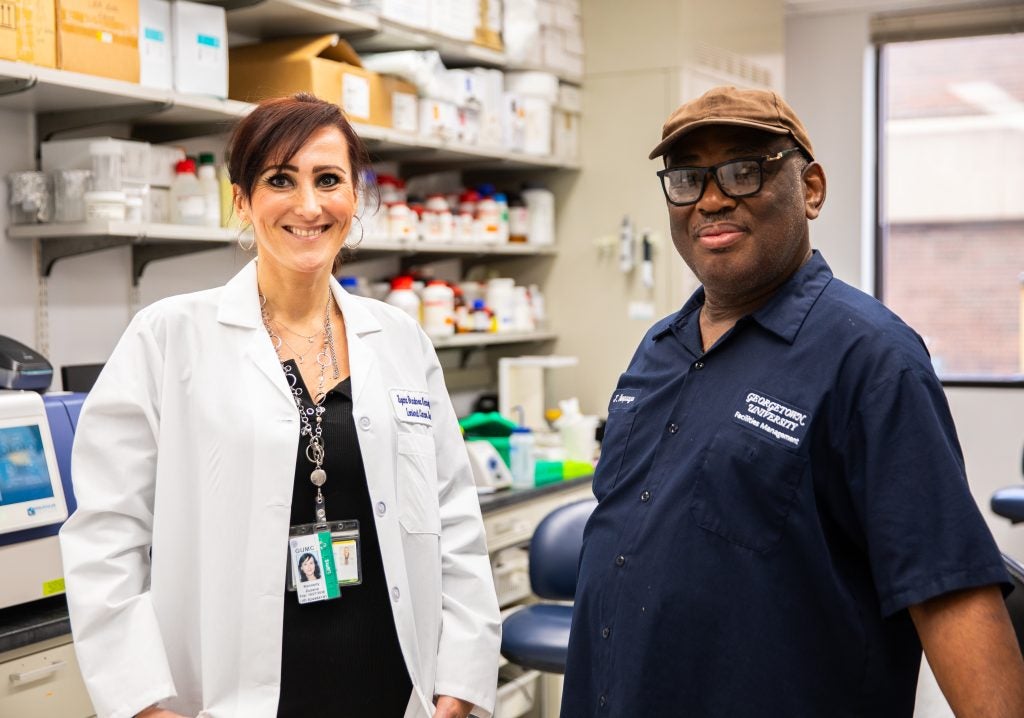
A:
(346, 561)
(310, 569)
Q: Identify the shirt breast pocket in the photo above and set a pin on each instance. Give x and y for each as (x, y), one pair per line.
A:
(745, 489)
(418, 507)
(613, 448)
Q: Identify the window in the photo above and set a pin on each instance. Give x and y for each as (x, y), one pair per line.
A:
(951, 199)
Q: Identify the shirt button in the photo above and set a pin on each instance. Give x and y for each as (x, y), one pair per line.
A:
(364, 422)
(698, 365)
(673, 428)
(620, 560)
(381, 508)
(602, 701)
(645, 496)
(395, 594)
(605, 632)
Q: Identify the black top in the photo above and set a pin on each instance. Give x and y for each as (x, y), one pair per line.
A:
(769, 509)
(341, 657)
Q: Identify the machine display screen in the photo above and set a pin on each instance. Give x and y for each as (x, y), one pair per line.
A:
(24, 475)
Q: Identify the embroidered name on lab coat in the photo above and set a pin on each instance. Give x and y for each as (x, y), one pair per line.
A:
(412, 407)
(779, 420)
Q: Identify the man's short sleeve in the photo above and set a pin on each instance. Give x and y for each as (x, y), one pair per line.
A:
(925, 535)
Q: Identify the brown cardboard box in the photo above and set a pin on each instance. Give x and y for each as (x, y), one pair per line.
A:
(324, 65)
(100, 37)
(28, 31)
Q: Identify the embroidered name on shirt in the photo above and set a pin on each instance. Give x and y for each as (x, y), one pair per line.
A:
(782, 422)
(623, 399)
(412, 407)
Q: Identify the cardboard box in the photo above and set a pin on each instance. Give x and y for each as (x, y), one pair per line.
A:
(28, 31)
(200, 48)
(99, 38)
(156, 63)
(566, 140)
(439, 120)
(404, 104)
(325, 65)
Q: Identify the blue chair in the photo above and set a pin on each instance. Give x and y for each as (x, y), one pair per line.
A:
(537, 636)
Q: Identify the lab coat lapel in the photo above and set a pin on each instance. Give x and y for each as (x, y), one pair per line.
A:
(359, 323)
(240, 307)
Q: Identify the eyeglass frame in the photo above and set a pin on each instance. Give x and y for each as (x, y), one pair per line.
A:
(706, 171)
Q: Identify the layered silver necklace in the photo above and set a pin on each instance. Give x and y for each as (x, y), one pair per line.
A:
(325, 358)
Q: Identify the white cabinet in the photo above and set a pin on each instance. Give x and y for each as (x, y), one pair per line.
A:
(43, 681)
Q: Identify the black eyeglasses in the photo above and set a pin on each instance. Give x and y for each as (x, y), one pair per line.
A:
(736, 178)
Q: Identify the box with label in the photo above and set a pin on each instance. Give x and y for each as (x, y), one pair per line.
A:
(156, 64)
(455, 18)
(99, 38)
(536, 126)
(404, 104)
(439, 120)
(513, 122)
(325, 65)
(200, 37)
(28, 31)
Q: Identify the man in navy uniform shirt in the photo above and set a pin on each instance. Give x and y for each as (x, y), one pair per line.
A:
(784, 518)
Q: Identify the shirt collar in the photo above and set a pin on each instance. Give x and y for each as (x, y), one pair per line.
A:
(784, 313)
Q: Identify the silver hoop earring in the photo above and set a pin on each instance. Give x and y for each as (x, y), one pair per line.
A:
(243, 246)
(350, 245)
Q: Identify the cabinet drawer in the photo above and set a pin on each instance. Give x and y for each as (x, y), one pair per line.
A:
(44, 685)
(515, 524)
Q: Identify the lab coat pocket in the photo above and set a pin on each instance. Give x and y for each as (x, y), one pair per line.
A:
(613, 449)
(419, 509)
(746, 488)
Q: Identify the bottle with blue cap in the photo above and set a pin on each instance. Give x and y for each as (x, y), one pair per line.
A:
(522, 458)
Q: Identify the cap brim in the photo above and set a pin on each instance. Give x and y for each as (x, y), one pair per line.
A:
(686, 129)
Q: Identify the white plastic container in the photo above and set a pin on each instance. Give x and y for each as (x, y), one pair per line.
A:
(488, 215)
(188, 204)
(403, 297)
(211, 190)
(522, 312)
(438, 224)
(438, 310)
(501, 302)
(540, 202)
(105, 206)
(107, 161)
(400, 222)
(521, 458)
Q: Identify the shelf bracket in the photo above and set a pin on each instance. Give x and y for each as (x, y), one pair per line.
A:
(143, 254)
(49, 124)
(14, 86)
(59, 248)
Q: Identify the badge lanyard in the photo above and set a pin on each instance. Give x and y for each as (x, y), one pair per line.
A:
(322, 555)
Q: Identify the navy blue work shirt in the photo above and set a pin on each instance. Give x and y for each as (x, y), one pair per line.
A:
(767, 511)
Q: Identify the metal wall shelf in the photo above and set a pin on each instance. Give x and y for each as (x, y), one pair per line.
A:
(148, 241)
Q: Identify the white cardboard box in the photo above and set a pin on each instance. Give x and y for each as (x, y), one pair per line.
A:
(438, 120)
(156, 61)
(566, 135)
(200, 48)
(415, 13)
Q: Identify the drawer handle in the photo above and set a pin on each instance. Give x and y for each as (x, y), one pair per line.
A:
(20, 679)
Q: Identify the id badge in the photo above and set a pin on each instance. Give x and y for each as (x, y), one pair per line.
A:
(322, 558)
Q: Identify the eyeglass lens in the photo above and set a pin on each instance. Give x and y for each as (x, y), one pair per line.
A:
(738, 178)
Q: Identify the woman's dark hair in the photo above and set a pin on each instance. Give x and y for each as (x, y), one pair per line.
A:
(316, 566)
(278, 128)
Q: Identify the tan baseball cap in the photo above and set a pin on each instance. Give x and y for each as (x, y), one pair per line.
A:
(759, 109)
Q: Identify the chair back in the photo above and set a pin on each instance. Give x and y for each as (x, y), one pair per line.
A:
(1015, 601)
(555, 550)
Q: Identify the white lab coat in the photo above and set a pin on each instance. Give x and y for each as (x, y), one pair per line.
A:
(187, 443)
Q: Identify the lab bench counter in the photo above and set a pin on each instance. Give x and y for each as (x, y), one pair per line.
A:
(509, 518)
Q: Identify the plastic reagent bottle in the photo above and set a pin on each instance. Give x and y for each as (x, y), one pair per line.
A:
(188, 206)
(521, 458)
(404, 297)
(211, 189)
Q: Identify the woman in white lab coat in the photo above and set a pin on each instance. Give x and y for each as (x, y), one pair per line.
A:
(224, 422)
